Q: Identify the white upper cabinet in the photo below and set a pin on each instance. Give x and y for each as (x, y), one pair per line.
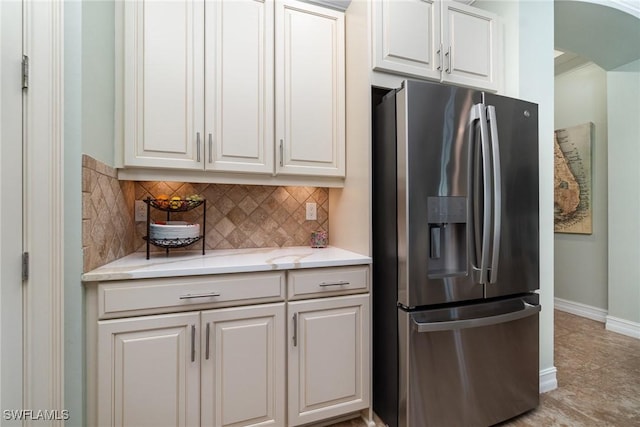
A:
(215, 86)
(436, 40)
(239, 86)
(407, 37)
(470, 35)
(163, 83)
(310, 85)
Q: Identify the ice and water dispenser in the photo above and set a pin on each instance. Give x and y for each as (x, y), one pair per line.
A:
(447, 219)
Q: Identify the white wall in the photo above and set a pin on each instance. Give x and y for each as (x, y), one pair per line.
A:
(528, 74)
(509, 27)
(623, 87)
(537, 85)
(581, 260)
(350, 207)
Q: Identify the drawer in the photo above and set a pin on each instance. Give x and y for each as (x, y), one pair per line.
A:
(329, 281)
(150, 296)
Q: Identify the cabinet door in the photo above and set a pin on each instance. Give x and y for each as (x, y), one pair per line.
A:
(243, 366)
(310, 103)
(239, 85)
(407, 37)
(149, 372)
(470, 39)
(328, 357)
(163, 83)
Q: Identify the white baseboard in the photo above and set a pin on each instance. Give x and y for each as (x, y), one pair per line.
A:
(548, 379)
(622, 326)
(579, 309)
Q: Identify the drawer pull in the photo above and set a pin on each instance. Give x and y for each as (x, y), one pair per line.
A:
(340, 283)
(205, 295)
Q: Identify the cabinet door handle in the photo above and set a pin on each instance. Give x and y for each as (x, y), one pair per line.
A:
(204, 295)
(281, 153)
(206, 350)
(295, 329)
(193, 343)
(439, 52)
(198, 146)
(448, 55)
(210, 148)
(339, 283)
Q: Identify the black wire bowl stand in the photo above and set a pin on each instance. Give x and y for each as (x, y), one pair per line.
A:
(183, 206)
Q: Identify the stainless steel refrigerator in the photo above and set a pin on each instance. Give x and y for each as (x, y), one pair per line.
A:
(455, 257)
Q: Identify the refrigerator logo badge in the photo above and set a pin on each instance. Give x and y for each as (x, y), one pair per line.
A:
(527, 113)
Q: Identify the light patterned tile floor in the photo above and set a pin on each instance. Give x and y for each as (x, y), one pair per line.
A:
(598, 379)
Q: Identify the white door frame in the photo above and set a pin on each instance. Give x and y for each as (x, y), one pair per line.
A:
(43, 42)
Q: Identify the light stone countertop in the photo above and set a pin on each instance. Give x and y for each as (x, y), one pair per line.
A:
(136, 266)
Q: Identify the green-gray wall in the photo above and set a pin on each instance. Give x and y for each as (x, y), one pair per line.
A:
(623, 107)
(89, 114)
(98, 90)
(73, 295)
(580, 259)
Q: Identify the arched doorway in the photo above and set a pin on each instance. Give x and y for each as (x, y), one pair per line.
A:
(598, 274)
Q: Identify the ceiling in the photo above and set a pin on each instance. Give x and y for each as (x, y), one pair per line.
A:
(604, 32)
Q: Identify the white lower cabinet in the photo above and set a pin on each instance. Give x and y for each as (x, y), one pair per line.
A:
(243, 366)
(329, 349)
(229, 350)
(222, 367)
(148, 371)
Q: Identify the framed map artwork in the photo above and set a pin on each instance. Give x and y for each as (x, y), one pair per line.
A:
(572, 180)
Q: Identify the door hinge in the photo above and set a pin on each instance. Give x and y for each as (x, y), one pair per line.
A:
(25, 71)
(25, 266)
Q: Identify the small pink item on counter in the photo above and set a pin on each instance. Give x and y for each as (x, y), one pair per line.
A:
(319, 239)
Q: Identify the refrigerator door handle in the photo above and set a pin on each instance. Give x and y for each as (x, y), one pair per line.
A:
(479, 113)
(497, 193)
(475, 229)
(526, 311)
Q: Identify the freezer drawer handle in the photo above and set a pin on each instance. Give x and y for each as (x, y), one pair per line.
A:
(527, 310)
(340, 283)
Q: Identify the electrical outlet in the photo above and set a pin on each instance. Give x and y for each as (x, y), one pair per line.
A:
(140, 211)
(312, 212)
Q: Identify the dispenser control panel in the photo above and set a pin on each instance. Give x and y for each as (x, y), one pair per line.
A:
(449, 209)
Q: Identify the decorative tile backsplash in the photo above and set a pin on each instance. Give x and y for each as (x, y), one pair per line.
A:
(244, 216)
(107, 214)
(238, 216)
